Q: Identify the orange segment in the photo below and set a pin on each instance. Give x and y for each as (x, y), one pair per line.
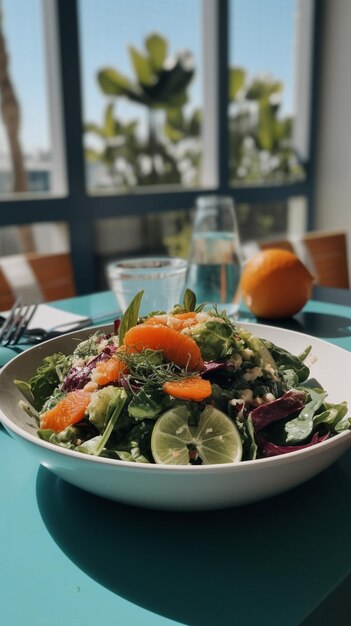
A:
(179, 348)
(159, 320)
(275, 284)
(185, 316)
(194, 388)
(108, 371)
(177, 321)
(70, 410)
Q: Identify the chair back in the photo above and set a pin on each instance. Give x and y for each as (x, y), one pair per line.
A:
(323, 252)
(36, 278)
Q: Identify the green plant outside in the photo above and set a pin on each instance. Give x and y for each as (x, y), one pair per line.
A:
(260, 138)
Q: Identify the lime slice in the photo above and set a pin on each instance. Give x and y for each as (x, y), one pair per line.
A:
(214, 440)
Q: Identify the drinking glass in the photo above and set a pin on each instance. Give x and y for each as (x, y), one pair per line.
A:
(215, 259)
(162, 279)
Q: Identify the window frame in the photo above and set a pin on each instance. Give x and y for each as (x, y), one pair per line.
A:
(79, 210)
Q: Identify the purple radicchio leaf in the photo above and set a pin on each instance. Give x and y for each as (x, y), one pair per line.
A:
(267, 448)
(78, 377)
(116, 325)
(214, 366)
(211, 366)
(279, 409)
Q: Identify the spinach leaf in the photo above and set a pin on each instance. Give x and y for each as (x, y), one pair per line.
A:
(304, 354)
(334, 417)
(130, 316)
(135, 445)
(221, 398)
(147, 404)
(139, 441)
(301, 427)
(290, 378)
(247, 436)
(286, 361)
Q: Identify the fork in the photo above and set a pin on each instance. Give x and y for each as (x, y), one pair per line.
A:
(16, 323)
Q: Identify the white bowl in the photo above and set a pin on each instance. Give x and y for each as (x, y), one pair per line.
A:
(182, 487)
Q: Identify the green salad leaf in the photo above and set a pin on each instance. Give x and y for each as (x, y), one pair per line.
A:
(147, 404)
(89, 347)
(215, 339)
(189, 304)
(48, 375)
(130, 317)
(189, 300)
(138, 441)
(291, 366)
(67, 438)
(334, 417)
(25, 389)
(247, 435)
(114, 408)
(301, 427)
(102, 405)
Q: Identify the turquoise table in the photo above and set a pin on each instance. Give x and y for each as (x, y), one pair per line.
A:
(68, 558)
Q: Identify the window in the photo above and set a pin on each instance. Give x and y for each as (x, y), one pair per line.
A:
(262, 99)
(28, 162)
(141, 88)
(117, 160)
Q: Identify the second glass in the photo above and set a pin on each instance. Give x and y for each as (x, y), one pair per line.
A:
(161, 278)
(215, 258)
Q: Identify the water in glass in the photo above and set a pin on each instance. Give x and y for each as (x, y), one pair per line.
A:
(161, 278)
(215, 259)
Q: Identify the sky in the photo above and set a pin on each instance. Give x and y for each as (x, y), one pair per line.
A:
(23, 28)
(261, 40)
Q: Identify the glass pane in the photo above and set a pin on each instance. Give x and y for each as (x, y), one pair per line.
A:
(141, 88)
(272, 220)
(35, 263)
(263, 38)
(25, 146)
(153, 233)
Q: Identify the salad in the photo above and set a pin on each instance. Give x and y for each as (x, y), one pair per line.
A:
(189, 386)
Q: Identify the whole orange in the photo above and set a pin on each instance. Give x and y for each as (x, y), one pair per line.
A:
(275, 284)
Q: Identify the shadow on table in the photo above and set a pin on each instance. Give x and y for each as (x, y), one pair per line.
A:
(267, 563)
(321, 325)
(311, 323)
